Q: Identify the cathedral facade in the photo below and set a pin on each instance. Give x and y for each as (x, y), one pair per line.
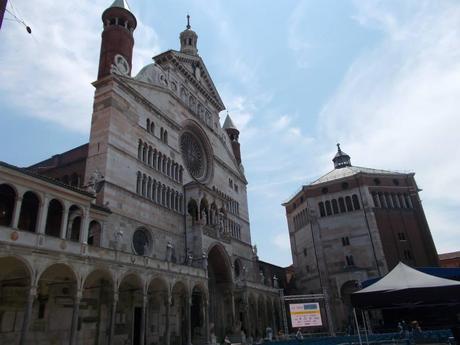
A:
(141, 236)
(351, 225)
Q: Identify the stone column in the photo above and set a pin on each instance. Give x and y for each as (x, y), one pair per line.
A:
(74, 325)
(248, 316)
(84, 227)
(65, 219)
(232, 298)
(27, 315)
(17, 212)
(206, 320)
(188, 307)
(167, 311)
(113, 313)
(143, 323)
(43, 213)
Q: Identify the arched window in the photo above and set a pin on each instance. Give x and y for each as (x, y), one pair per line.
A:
(395, 199)
(408, 201)
(349, 204)
(148, 125)
(54, 218)
(142, 242)
(149, 156)
(402, 201)
(389, 201)
(29, 212)
(321, 209)
(7, 204)
(161, 133)
(376, 200)
(356, 205)
(160, 159)
(383, 202)
(335, 207)
(144, 184)
(165, 137)
(163, 166)
(328, 208)
(149, 187)
(168, 167)
(342, 205)
(94, 234)
(152, 128)
(144, 153)
(74, 223)
(138, 182)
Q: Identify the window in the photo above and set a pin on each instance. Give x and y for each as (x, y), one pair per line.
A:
(328, 208)
(342, 205)
(350, 261)
(401, 236)
(335, 207)
(305, 252)
(356, 202)
(325, 190)
(230, 183)
(348, 203)
(345, 185)
(236, 188)
(345, 241)
(377, 181)
(396, 182)
(141, 242)
(321, 209)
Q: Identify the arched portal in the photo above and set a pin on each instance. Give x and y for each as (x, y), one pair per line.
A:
(97, 297)
(157, 313)
(178, 315)
(220, 286)
(128, 321)
(198, 315)
(57, 290)
(14, 287)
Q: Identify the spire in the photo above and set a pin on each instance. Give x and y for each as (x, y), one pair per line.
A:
(341, 159)
(121, 4)
(228, 123)
(188, 40)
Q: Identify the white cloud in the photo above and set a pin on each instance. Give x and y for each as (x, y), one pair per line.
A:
(296, 41)
(281, 241)
(48, 75)
(397, 107)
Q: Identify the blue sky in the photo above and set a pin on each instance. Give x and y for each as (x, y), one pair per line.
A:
(380, 77)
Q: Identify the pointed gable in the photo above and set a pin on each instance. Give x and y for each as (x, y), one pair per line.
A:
(194, 70)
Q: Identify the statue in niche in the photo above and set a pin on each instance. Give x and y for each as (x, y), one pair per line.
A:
(189, 258)
(221, 222)
(203, 217)
(118, 238)
(204, 260)
(169, 251)
(275, 282)
(95, 181)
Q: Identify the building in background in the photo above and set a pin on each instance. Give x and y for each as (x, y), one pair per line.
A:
(450, 260)
(353, 224)
(142, 235)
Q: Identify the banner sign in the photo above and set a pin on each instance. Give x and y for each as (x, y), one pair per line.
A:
(305, 315)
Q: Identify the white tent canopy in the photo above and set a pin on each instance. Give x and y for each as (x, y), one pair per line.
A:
(406, 285)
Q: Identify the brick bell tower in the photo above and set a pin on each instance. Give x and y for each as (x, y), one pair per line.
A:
(117, 40)
(233, 134)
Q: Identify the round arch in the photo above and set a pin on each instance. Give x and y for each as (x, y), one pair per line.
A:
(8, 196)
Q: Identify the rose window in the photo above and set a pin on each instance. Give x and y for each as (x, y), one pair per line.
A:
(194, 155)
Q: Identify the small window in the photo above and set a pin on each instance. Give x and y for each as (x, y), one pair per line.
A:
(335, 206)
(356, 205)
(396, 182)
(345, 241)
(401, 236)
(325, 190)
(328, 208)
(301, 199)
(305, 252)
(321, 209)
(295, 205)
(236, 188)
(349, 204)
(350, 260)
(377, 181)
(345, 185)
(230, 183)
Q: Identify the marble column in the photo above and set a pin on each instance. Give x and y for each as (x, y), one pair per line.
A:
(16, 212)
(167, 311)
(113, 313)
(42, 215)
(143, 323)
(27, 315)
(188, 307)
(84, 227)
(75, 314)
(65, 219)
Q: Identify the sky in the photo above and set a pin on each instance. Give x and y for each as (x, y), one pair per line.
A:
(380, 77)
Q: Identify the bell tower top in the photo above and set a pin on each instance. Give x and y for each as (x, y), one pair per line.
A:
(117, 39)
(188, 40)
(341, 159)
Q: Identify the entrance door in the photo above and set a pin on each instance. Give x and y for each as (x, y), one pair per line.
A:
(137, 326)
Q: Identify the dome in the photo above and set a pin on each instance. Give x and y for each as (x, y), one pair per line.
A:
(153, 74)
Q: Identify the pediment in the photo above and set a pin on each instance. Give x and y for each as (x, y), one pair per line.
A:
(195, 71)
